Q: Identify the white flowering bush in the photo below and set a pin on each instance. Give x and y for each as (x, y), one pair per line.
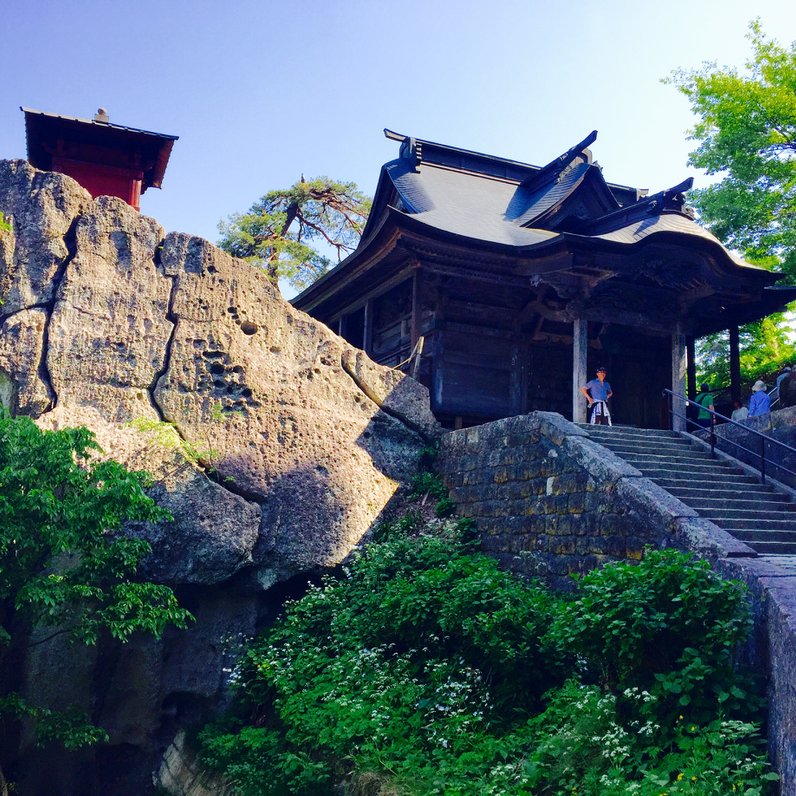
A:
(424, 669)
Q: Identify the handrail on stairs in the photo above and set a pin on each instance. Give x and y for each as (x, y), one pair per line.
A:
(764, 438)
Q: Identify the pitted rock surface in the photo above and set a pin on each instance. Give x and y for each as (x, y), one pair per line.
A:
(281, 455)
(272, 442)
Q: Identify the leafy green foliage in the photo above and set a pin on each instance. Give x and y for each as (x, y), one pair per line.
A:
(667, 624)
(426, 483)
(765, 348)
(280, 232)
(5, 226)
(583, 746)
(63, 563)
(70, 729)
(747, 133)
(424, 669)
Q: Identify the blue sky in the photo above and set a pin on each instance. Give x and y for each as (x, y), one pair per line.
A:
(260, 92)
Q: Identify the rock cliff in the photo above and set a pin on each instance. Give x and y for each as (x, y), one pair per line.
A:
(273, 443)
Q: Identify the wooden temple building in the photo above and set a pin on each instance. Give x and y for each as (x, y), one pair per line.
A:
(518, 281)
(106, 159)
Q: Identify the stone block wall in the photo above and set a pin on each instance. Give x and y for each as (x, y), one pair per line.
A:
(772, 650)
(549, 501)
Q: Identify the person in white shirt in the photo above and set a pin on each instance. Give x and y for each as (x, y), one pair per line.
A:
(739, 413)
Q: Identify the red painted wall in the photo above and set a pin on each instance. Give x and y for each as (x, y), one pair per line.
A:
(101, 180)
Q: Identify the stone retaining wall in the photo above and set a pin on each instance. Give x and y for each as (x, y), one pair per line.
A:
(772, 589)
(550, 501)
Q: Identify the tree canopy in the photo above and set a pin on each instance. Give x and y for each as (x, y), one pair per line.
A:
(746, 134)
(282, 231)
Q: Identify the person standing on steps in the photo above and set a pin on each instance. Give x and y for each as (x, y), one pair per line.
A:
(597, 392)
(739, 412)
(705, 401)
(759, 403)
(787, 390)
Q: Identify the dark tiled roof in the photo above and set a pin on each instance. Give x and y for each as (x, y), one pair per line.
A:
(453, 195)
(497, 201)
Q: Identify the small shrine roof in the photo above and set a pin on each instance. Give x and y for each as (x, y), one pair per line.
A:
(43, 128)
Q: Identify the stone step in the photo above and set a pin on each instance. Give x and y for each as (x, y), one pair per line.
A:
(773, 548)
(750, 492)
(773, 503)
(666, 478)
(616, 432)
(762, 535)
(695, 460)
(707, 473)
(662, 446)
(750, 517)
(738, 526)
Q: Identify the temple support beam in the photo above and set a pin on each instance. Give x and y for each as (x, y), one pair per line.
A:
(735, 364)
(367, 327)
(690, 347)
(580, 349)
(678, 380)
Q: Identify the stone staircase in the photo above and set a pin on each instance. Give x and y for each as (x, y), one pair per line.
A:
(754, 513)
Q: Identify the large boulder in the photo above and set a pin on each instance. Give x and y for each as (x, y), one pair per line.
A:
(272, 442)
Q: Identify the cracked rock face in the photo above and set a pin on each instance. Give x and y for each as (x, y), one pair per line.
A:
(274, 444)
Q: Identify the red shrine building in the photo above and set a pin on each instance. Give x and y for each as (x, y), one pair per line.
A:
(502, 286)
(106, 159)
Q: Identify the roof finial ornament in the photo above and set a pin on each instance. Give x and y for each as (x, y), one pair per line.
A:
(102, 116)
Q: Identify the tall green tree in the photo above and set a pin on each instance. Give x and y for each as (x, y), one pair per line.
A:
(746, 134)
(287, 232)
(65, 568)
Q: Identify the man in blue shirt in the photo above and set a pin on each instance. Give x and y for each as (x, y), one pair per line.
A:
(597, 392)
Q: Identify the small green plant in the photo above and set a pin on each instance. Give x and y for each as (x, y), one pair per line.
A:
(427, 484)
(167, 436)
(5, 226)
(402, 526)
(428, 457)
(445, 507)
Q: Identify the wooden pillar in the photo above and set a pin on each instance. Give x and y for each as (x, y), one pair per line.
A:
(367, 330)
(341, 324)
(678, 380)
(690, 346)
(417, 284)
(735, 364)
(580, 349)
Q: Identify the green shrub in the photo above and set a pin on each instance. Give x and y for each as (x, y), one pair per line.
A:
(246, 753)
(669, 625)
(425, 669)
(583, 746)
(445, 507)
